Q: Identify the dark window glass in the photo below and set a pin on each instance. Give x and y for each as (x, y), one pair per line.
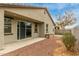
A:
(22, 30)
(36, 29)
(28, 32)
(7, 25)
(28, 29)
(28, 25)
(46, 28)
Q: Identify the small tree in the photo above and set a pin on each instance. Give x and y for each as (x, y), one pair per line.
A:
(69, 41)
(67, 19)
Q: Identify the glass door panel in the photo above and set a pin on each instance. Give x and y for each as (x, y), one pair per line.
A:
(23, 30)
(28, 29)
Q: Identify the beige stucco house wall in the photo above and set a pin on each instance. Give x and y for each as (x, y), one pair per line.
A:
(33, 15)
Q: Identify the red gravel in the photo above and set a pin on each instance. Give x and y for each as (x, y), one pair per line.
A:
(41, 48)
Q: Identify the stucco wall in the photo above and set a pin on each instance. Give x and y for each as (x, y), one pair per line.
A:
(1, 29)
(37, 14)
(50, 24)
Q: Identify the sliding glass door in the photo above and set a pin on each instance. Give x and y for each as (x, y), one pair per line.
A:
(28, 29)
(23, 30)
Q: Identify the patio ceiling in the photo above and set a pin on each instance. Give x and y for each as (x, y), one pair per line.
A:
(21, 17)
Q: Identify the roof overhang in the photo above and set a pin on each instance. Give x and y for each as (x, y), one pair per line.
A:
(20, 17)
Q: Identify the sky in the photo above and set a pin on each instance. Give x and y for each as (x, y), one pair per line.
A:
(59, 8)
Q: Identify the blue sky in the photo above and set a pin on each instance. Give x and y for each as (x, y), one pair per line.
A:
(59, 8)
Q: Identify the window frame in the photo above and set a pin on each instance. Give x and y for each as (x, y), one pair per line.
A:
(8, 25)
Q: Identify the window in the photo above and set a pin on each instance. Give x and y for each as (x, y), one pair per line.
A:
(7, 24)
(46, 28)
(28, 29)
(36, 29)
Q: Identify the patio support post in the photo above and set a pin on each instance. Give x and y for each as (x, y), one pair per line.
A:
(1, 29)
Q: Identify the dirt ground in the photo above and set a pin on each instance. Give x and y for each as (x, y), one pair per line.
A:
(48, 47)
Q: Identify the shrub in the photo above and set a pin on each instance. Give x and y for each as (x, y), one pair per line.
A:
(69, 41)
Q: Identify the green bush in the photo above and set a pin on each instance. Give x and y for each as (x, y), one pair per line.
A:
(69, 41)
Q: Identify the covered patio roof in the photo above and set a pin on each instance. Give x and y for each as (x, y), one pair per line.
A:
(20, 17)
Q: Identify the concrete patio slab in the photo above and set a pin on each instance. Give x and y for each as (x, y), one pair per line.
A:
(16, 45)
(42, 48)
